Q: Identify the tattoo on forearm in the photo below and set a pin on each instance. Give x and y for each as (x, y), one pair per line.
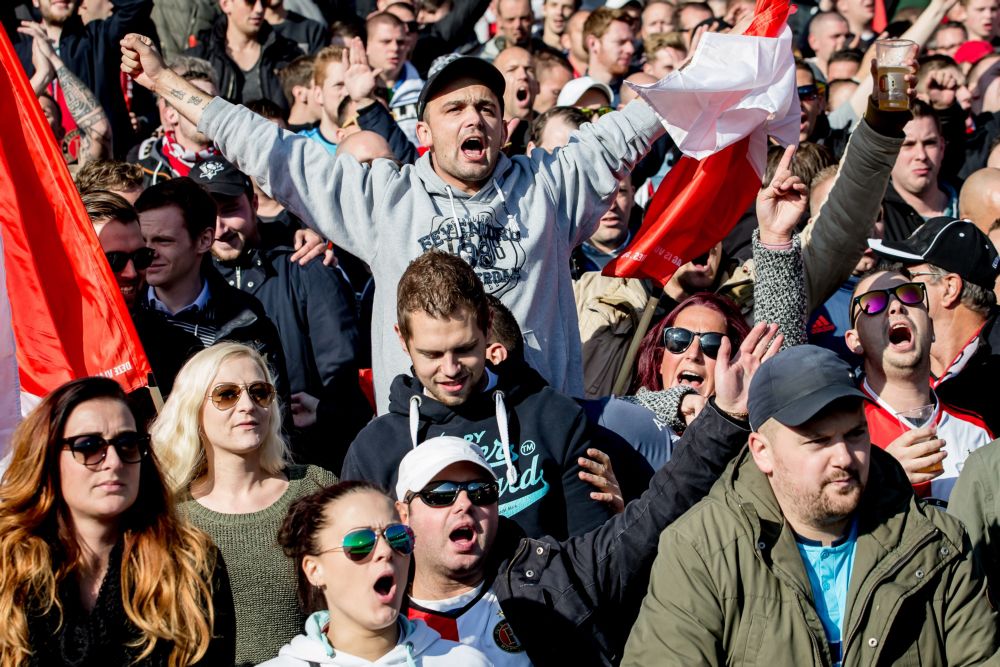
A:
(86, 111)
(176, 94)
(195, 99)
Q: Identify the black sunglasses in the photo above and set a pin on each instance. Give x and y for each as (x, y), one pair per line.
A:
(359, 543)
(226, 395)
(444, 494)
(678, 339)
(119, 259)
(877, 300)
(91, 449)
(809, 93)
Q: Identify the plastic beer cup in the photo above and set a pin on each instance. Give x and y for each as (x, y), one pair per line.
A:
(891, 56)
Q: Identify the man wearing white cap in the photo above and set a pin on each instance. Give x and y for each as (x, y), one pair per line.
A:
(587, 94)
(477, 580)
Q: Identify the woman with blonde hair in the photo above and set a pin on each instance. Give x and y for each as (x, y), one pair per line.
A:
(95, 567)
(219, 440)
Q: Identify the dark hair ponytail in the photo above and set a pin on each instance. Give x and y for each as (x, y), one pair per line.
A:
(297, 537)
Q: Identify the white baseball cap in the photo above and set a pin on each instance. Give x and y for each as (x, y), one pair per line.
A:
(618, 4)
(424, 462)
(575, 89)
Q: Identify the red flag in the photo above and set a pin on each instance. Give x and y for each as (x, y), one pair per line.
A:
(68, 317)
(699, 201)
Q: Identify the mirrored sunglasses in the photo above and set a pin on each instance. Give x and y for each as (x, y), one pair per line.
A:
(358, 544)
(444, 494)
(679, 339)
(226, 395)
(876, 301)
(141, 259)
(598, 111)
(91, 449)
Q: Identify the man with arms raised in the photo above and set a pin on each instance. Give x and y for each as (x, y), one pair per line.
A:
(811, 548)
(515, 221)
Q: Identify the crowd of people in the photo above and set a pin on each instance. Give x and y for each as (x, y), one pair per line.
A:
(407, 420)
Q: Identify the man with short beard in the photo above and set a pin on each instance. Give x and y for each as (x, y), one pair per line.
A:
(892, 331)
(812, 548)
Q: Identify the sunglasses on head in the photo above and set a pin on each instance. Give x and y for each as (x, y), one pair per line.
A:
(598, 111)
(359, 543)
(877, 300)
(678, 339)
(444, 494)
(119, 259)
(91, 449)
(227, 394)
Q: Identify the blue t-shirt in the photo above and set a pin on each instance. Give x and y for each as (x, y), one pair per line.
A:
(829, 570)
(314, 134)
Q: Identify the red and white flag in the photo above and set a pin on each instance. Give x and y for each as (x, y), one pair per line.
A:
(57, 294)
(720, 109)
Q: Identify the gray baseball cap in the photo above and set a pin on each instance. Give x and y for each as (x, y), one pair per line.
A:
(796, 384)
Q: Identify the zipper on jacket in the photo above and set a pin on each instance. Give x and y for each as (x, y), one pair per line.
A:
(897, 566)
(239, 278)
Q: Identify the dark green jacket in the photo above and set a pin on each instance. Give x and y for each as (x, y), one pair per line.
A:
(975, 500)
(729, 586)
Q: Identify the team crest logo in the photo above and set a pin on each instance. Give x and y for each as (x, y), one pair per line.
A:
(504, 637)
(210, 170)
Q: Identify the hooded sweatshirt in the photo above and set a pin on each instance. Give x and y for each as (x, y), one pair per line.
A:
(418, 646)
(529, 433)
(517, 231)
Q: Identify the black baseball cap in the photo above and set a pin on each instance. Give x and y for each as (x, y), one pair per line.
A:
(797, 383)
(957, 246)
(221, 178)
(449, 68)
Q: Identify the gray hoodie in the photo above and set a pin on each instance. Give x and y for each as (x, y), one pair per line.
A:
(517, 232)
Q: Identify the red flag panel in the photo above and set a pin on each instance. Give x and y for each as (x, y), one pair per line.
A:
(69, 318)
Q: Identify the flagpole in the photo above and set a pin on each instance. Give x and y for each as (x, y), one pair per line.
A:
(621, 382)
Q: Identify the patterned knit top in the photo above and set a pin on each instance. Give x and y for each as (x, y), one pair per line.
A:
(261, 576)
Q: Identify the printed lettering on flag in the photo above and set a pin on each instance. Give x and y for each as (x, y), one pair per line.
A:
(720, 109)
(67, 315)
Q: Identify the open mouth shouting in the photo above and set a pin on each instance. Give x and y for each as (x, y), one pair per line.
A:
(900, 336)
(385, 587)
(523, 95)
(690, 378)
(473, 149)
(463, 537)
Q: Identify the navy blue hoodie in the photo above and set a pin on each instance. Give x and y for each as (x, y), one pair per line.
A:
(546, 433)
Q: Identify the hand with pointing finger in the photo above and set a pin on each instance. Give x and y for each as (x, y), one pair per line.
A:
(781, 204)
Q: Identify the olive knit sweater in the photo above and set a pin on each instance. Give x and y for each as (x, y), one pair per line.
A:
(261, 576)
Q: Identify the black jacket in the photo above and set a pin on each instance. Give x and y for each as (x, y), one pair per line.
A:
(93, 54)
(547, 433)
(901, 219)
(573, 602)
(104, 636)
(310, 36)
(376, 118)
(974, 388)
(276, 52)
(155, 167)
(314, 311)
(238, 317)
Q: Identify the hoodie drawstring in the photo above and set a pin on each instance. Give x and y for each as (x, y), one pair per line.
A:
(415, 402)
(503, 200)
(410, 661)
(451, 200)
(504, 437)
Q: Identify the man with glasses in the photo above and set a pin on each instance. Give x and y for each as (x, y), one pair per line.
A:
(892, 332)
(958, 266)
(479, 580)
(246, 52)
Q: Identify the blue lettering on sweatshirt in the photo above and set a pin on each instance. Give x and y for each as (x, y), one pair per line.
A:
(530, 486)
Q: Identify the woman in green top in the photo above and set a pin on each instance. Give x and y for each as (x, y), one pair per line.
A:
(219, 441)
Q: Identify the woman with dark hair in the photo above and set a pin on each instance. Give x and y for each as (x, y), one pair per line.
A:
(97, 569)
(352, 557)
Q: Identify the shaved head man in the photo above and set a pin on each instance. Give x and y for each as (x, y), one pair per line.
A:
(828, 33)
(980, 198)
(366, 146)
